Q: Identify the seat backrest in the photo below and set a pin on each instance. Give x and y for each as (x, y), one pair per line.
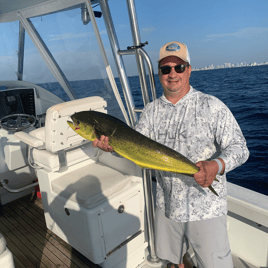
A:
(58, 135)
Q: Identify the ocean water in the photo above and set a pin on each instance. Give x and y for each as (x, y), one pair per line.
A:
(244, 90)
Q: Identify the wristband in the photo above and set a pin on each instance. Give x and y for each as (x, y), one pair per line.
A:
(219, 164)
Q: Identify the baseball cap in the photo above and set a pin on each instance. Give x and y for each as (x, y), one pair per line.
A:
(174, 48)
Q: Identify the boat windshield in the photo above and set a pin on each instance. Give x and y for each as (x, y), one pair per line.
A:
(75, 49)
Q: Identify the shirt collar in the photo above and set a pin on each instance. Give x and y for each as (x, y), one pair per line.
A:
(165, 100)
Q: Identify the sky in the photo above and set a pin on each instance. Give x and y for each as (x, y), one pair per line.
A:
(215, 32)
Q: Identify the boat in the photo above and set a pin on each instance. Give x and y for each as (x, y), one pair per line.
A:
(99, 206)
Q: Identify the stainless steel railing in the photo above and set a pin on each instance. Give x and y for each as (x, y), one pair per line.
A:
(141, 57)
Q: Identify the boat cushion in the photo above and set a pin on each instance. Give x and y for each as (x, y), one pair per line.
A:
(91, 185)
(30, 140)
(50, 161)
(40, 134)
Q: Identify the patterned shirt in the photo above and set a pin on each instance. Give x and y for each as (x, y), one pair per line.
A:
(200, 127)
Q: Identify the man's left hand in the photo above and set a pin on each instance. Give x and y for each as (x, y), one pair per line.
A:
(207, 172)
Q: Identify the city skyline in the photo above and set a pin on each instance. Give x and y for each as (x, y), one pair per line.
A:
(214, 32)
(229, 65)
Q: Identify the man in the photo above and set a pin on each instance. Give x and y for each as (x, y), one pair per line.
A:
(203, 129)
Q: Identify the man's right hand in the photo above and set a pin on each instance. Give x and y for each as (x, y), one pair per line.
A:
(102, 143)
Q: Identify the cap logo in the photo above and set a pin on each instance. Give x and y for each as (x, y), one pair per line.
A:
(173, 47)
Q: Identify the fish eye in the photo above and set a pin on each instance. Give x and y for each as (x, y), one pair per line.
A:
(78, 122)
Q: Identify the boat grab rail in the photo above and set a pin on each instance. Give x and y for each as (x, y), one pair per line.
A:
(149, 64)
(4, 183)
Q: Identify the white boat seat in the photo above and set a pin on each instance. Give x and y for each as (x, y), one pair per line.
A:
(91, 185)
(55, 145)
(93, 200)
(51, 161)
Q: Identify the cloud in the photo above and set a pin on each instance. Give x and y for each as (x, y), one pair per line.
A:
(103, 32)
(148, 30)
(246, 33)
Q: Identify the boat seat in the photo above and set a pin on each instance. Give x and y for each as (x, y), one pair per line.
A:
(92, 199)
(56, 146)
(91, 185)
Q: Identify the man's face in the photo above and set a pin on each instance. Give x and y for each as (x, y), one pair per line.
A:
(175, 85)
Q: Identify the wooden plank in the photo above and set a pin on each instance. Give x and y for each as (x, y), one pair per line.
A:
(54, 243)
(28, 217)
(29, 206)
(76, 256)
(48, 249)
(35, 203)
(31, 239)
(54, 239)
(38, 204)
(23, 254)
(18, 256)
(38, 221)
(29, 249)
(17, 262)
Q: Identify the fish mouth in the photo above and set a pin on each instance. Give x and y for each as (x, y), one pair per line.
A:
(72, 125)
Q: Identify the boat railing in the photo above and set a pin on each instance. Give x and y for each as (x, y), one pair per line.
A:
(145, 91)
(46, 55)
(141, 55)
(248, 204)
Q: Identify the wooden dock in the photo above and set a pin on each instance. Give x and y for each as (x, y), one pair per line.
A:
(22, 223)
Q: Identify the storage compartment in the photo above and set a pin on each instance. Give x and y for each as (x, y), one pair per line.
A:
(121, 223)
(99, 211)
(72, 224)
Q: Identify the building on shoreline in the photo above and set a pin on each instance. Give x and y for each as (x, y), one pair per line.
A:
(229, 65)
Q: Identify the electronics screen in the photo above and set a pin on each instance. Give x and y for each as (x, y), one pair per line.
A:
(17, 101)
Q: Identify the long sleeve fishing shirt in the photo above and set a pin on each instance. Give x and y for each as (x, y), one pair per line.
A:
(200, 127)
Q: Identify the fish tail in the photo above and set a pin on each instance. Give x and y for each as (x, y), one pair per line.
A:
(212, 190)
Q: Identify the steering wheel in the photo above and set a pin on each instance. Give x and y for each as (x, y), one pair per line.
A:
(17, 122)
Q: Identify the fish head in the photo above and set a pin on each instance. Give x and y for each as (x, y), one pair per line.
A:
(83, 125)
(75, 125)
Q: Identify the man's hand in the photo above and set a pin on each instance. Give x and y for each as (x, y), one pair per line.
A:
(207, 173)
(102, 143)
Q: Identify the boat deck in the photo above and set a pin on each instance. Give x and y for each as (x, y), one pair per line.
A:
(23, 225)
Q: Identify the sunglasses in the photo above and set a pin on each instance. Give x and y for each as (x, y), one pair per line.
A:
(180, 68)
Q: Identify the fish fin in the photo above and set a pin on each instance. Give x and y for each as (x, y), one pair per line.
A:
(97, 129)
(114, 132)
(212, 190)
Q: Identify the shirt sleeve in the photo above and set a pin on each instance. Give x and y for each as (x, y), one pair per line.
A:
(229, 137)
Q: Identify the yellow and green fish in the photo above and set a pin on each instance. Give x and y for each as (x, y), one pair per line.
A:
(127, 142)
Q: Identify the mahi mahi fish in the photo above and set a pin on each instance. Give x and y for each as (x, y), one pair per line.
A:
(127, 142)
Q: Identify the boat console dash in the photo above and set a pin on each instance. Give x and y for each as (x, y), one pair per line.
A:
(17, 101)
